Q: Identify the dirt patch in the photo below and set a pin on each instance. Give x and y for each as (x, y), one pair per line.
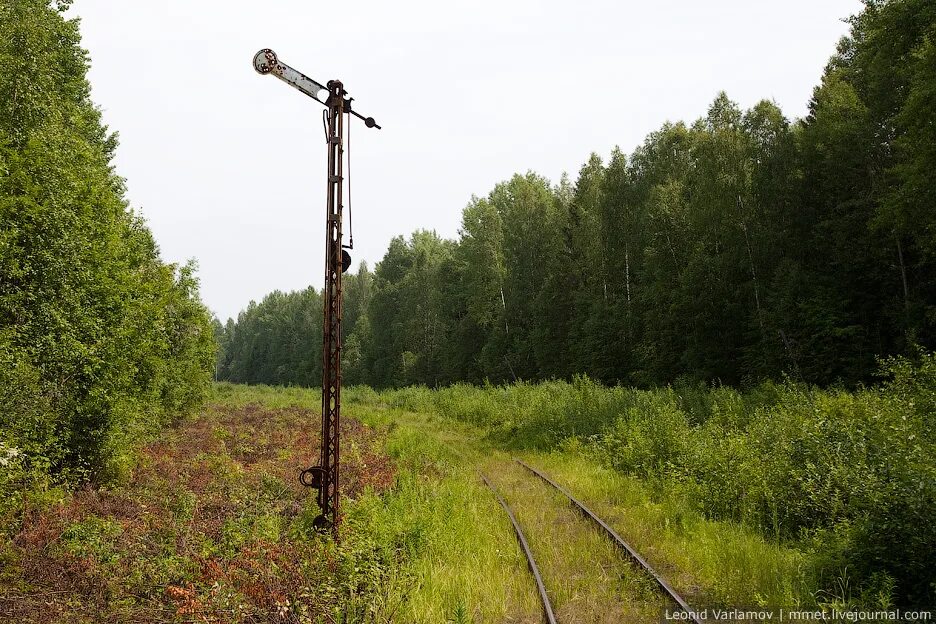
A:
(213, 526)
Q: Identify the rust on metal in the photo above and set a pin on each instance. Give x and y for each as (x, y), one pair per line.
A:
(328, 495)
(324, 477)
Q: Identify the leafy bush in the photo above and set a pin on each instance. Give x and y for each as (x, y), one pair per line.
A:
(853, 474)
(100, 341)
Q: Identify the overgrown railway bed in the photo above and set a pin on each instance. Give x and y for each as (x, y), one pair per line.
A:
(606, 530)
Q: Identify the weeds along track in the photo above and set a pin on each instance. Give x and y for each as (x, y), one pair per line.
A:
(534, 570)
(550, 529)
(632, 554)
(538, 534)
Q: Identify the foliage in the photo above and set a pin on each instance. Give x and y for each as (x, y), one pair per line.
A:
(273, 342)
(279, 340)
(853, 474)
(100, 341)
(696, 255)
(738, 248)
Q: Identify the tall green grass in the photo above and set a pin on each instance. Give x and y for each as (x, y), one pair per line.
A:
(848, 476)
(710, 562)
(435, 547)
(449, 553)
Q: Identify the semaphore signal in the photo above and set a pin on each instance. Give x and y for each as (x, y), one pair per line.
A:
(324, 477)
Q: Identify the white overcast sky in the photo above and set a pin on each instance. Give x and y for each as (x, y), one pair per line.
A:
(228, 166)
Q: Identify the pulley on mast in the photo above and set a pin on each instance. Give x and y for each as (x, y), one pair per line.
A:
(324, 477)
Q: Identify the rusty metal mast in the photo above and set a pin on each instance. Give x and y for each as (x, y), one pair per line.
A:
(324, 477)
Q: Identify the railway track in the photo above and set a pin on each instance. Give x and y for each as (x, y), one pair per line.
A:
(660, 583)
(531, 562)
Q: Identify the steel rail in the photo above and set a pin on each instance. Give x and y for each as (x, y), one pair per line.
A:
(547, 607)
(633, 554)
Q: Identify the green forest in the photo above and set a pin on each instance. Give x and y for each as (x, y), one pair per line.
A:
(101, 342)
(726, 337)
(740, 247)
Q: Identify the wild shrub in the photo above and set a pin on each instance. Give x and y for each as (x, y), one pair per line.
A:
(851, 474)
(100, 341)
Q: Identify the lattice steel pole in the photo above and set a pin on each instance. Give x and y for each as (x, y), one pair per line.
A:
(324, 477)
(331, 343)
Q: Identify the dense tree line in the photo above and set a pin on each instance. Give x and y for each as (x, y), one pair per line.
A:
(279, 340)
(100, 340)
(740, 247)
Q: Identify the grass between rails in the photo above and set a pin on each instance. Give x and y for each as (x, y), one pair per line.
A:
(708, 562)
(586, 577)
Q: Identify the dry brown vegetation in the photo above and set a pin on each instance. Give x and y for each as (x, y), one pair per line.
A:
(213, 526)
